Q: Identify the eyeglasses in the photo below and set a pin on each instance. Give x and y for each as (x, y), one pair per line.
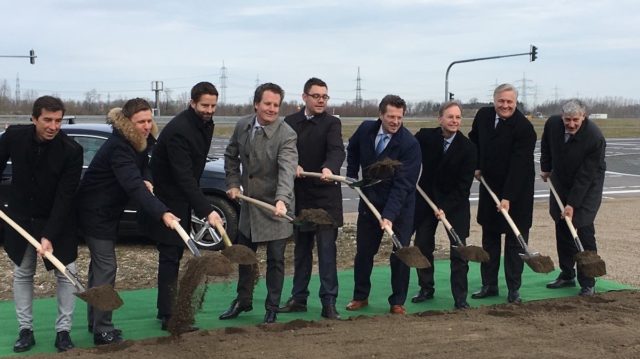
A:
(317, 96)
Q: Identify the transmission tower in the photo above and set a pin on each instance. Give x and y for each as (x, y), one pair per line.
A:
(358, 90)
(257, 80)
(223, 84)
(523, 91)
(555, 92)
(17, 89)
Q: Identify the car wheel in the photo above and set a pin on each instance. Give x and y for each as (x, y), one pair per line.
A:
(207, 237)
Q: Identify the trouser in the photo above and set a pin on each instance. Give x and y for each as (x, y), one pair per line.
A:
(303, 263)
(102, 270)
(169, 257)
(368, 241)
(23, 293)
(274, 276)
(513, 264)
(426, 241)
(567, 250)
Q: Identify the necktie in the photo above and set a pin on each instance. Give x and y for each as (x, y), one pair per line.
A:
(445, 146)
(567, 137)
(499, 122)
(257, 131)
(381, 143)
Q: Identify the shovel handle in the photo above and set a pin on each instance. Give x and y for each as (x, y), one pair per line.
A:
(377, 214)
(506, 215)
(262, 204)
(572, 228)
(337, 178)
(223, 233)
(444, 220)
(186, 238)
(59, 266)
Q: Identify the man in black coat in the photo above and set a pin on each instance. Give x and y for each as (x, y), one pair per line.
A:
(394, 198)
(176, 165)
(320, 149)
(118, 172)
(505, 140)
(46, 168)
(448, 166)
(572, 156)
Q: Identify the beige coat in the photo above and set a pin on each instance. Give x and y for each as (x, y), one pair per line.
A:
(265, 167)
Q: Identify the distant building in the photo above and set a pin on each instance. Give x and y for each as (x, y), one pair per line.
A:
(598, 116)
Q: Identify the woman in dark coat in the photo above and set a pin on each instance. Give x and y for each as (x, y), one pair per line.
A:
(116, 175)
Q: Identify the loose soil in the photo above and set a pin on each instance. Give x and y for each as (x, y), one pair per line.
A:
(605, 325)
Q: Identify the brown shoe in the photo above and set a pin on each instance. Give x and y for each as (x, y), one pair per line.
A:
(397, 309)
(357, 304)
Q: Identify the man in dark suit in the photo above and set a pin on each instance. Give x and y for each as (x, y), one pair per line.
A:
(505, 140)
(572, 156)
(176, 165)
(394, 198)
(46, 168)
(261, 157)
(448, 166)
(320, 149)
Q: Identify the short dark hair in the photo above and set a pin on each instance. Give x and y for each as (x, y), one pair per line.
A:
(203, 88)
(393, 100)
(314, 81)
(257, 96)
(48, 103)
(134, 106)
(448, 104)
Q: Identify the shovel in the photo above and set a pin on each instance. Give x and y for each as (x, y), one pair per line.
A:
(313, 216)
(104, 297)
(191, 244)
(365, 182)
(236, 253)
(537, 262)
(589, 262)
(470, 253)
(217, 265)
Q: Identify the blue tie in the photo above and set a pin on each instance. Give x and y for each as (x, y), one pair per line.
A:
(381, 143)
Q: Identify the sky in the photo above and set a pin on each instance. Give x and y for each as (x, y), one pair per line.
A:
(586, 48)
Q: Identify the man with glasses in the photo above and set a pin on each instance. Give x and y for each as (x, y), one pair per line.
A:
(320, 149)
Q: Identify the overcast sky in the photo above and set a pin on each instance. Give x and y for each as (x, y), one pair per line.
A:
(586, 48)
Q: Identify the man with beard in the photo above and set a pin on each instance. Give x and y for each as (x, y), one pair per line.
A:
(505, 140)
(320, 149)
(177, 163)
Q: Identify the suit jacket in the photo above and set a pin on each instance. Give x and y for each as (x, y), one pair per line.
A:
(319, 146)
(394, 198)
(265, 167)
(45, 177)
(577, 168)
(505, 157)
(446, 177)
(177, 164)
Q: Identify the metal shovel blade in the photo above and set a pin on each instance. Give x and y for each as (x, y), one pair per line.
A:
(365, 182)
(472, 253)
(103, 298)
(412, 257)
(538, 263)
(590, 264)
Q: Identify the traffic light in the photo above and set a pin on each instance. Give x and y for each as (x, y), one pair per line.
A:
(32, 56)
(533, 53)
(451, 96)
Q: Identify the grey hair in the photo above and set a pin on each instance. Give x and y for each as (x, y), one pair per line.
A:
(574, 107)
(448, 104)
(503, 88)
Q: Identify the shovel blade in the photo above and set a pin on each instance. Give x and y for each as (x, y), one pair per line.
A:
(473, 253)
(412, 257)
(590, 264)
(240, 254)
(193, 248)
(538, 263)
(103, 297)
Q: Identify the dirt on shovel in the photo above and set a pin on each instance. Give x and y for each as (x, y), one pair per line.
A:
(383, 169)
(473, 253)
(540, 264)
(412, 257)
(103, 298)
(314, 216)
(192, 289)
(590, 264)
(240, 254)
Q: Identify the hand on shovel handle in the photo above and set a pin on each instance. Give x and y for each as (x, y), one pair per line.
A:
(264, 205)
(572, 229)
(187, 240)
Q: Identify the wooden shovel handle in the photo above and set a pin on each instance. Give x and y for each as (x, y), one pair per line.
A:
(61, 267)
(262, 204)
(506, 215)
(374, 210)
(337, 178)
(433, 206)
(572, 228)
(223, 233)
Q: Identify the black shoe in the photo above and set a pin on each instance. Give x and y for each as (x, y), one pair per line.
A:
(234, 310)
(561, 283)
(270, 316)
(486, 291)
(90, 330)
(25, 341)
(587, 291)
(329, 311)
(110, 337)
(165, 325)
(293, 306)
(462, 305)
(63, 341)
(423, 294)
(514, 297)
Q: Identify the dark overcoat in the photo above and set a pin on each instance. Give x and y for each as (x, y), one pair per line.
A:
(505, 158)
(446, 177)
(319, 146)
(577, 168)
(177, 164)
(45, 177)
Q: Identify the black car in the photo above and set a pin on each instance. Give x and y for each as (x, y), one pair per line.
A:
(92, 136)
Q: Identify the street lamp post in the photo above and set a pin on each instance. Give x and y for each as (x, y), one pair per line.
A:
(157, 86)
(32, 56)
(533, 54)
